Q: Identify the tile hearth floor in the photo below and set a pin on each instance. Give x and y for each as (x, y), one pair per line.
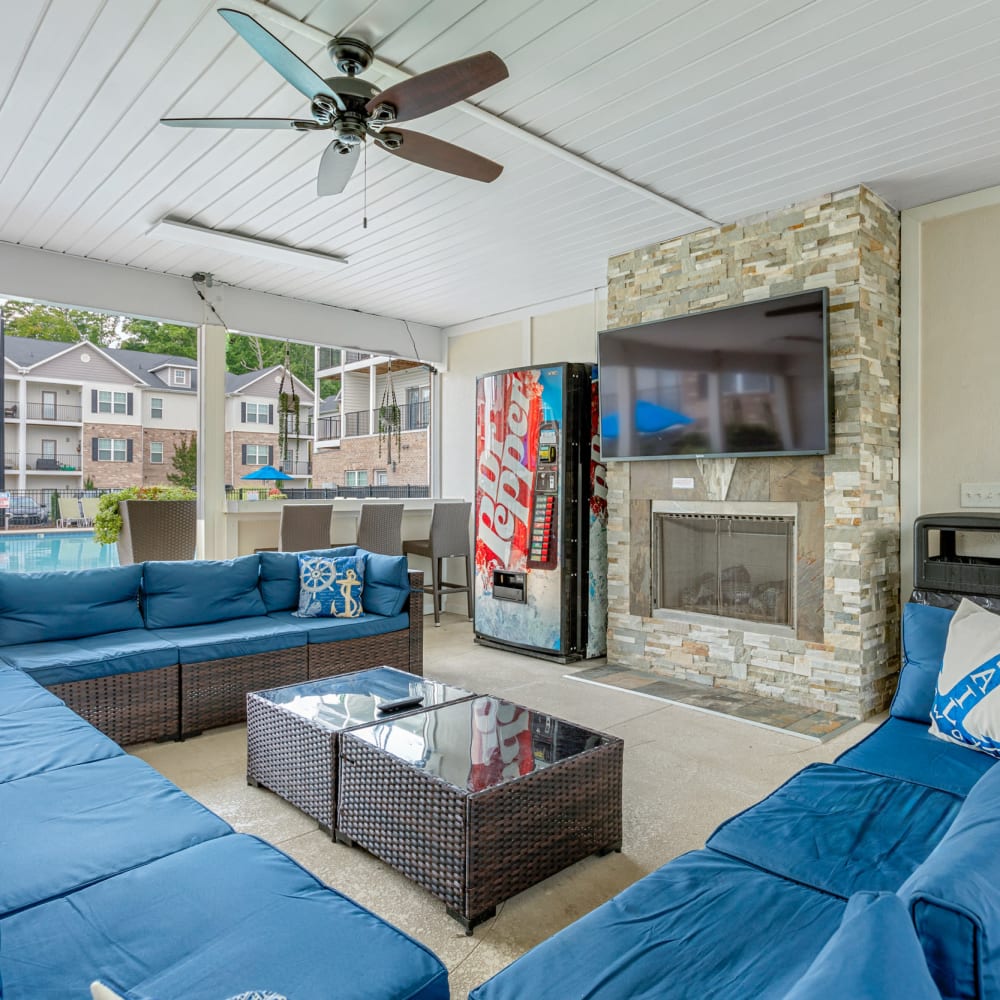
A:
(767, 712)
(685, 772)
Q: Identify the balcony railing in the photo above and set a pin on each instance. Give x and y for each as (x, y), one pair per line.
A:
(11, 460)
(329, 357)
(297, 468)
(359, 423)
(54, 411)
(351, 357)
(305, 427)
(53, 463)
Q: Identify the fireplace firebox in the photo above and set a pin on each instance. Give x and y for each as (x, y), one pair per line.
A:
(736, 566)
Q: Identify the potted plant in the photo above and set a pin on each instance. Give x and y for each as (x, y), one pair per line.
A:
(148, 522)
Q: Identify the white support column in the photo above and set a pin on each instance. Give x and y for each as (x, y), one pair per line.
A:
(372, 399)
(211, 442)
(22, 434)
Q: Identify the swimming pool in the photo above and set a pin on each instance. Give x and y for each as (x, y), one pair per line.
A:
(37, 551)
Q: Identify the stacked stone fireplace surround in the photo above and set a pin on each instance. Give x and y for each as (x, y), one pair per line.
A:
(842, 655)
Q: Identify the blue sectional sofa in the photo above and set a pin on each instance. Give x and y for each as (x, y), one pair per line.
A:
(109, 872)
(877, 876)
(166, 649)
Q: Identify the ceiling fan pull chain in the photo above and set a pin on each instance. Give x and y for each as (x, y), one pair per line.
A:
(364, 211)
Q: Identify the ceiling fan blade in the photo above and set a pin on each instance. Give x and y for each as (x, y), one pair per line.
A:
(336, 167)
(239, 123)
(441, 155)
(282, 58)
(437, 88)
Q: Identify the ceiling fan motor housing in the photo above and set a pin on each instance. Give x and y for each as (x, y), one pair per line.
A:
(350, 55)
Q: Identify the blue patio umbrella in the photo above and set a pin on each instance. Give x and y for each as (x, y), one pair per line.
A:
(650, 418)
(267, 472)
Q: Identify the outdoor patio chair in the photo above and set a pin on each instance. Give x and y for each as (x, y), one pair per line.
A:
(304, 526)
(380, 528)
(89, 507)
(449, 540)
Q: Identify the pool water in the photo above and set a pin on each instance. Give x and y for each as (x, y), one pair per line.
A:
(39, 551)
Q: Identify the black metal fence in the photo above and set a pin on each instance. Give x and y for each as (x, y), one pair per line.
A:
(350, 492)
(44, 507)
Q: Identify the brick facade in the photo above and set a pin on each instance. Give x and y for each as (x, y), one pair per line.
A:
(112, 475)
(330, 465)
(155, 474)
(843, 655)
(235, 440)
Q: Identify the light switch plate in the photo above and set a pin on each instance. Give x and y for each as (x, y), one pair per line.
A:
(981, 494)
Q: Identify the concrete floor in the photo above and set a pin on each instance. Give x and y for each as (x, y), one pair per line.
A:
(685, 772)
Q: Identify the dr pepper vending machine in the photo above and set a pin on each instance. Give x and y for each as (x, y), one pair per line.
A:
(540, 513)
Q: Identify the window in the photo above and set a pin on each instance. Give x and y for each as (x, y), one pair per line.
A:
(156, 452)
(112, 450)
(180, 376)
(256, 413)
(381, 477)
(112, 402)
(156, 408)
(48, 449)
(356, 477)
(418, 406)
(256, 454)
(48, 406)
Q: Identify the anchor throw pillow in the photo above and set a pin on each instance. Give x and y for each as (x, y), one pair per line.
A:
(330, 586)
(966, 706)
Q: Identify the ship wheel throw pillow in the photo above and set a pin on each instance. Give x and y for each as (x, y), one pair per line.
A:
(966, 706)
(330, 586)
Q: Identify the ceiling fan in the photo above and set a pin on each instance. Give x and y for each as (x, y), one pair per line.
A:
(355, 110)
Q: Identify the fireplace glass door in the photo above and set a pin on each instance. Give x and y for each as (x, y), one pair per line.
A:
(734, 566)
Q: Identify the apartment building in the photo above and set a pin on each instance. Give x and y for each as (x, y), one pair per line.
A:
(78, 412)
(349, 448)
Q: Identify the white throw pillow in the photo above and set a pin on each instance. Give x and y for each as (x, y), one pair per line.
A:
(966, 706)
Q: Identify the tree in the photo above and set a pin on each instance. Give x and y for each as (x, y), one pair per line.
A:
(160, 338)
(247, 354)
(41, 322)
(185, 462)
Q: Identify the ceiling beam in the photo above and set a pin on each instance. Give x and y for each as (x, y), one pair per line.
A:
(62, 279)
(278, 18)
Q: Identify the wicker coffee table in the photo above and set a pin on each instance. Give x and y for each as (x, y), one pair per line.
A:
(480, 799)
(293, 731)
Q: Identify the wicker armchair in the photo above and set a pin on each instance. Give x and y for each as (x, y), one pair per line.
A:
(380, 528)
(449, 540)
(304, 526)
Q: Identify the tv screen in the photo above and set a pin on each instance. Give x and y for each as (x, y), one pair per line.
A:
(749, 380)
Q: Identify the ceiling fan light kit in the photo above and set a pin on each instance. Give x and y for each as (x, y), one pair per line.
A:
(356, 110)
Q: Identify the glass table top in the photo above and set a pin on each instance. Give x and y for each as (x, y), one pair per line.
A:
(480, 743)
(348, 700)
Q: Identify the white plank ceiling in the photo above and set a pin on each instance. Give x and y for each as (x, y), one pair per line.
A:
(728, 107)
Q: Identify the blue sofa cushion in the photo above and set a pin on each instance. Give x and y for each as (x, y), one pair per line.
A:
(240, 637)
(213, 921)
(93, 656)
(907, 750)
(79, 824)
(19, 693)
(318, 630)
(925, 632)
(35, 607)
(875, 954)
(279, 576)
(702, 926)
(954, 902)
(330, 586)
(840, 830)
(201, 591)
(47, 739)
(387, 584)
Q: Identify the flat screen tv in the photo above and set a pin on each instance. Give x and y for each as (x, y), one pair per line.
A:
(749, 380)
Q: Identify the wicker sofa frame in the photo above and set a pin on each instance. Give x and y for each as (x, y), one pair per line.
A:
(177, 702)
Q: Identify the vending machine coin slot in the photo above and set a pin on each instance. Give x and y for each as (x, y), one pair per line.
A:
(543, 551)
(509, 586)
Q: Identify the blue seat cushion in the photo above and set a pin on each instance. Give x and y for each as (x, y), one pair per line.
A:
(925, 632)
(48, 738)
(954, 902)
(92, 656)
(318, 630)
(80, 824)
(902, 749)
(702, 926)
(840, 830)
(875, 954)
(36, 607)
(200, 591)
(213, 921)
(19, 693)
(221, 640)
(279, 575)
(387, 584)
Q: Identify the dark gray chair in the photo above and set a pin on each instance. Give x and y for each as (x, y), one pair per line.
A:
(380, 528)
(304, 526)
(449, 540)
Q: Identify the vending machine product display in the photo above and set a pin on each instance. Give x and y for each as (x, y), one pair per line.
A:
(540, 513)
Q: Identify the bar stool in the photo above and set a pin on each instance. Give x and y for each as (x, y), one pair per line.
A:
(449, 540)
(380, 528)
(304, 526)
